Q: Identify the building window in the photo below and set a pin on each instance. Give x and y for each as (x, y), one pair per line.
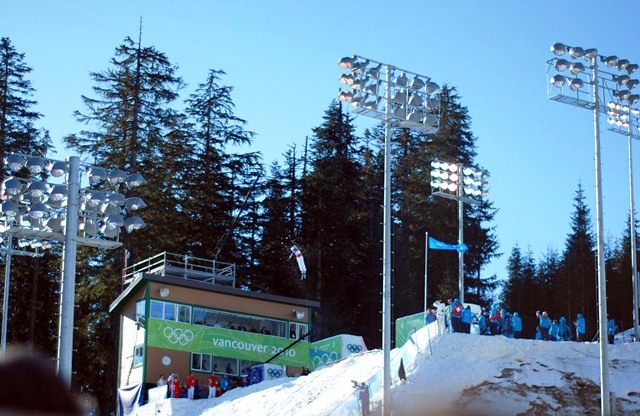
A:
(140, 311)
(226, 365)
(239, 322)
(138, 355)
(296, 330)
(201, 362)
(170, 311)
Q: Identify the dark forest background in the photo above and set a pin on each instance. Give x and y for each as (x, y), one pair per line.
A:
(325, 195)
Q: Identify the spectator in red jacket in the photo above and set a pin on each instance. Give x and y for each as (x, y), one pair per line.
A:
(191, 385)
(177, 390)
(214, 385)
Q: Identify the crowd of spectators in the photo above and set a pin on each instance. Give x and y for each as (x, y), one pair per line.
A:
(453, 316)
(215, 385)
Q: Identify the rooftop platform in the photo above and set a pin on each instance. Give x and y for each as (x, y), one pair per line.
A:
(182, 266)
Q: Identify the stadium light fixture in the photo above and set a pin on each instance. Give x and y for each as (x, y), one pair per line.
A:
(410, 101)
(596, 87)
(461, 184)
(36, 211)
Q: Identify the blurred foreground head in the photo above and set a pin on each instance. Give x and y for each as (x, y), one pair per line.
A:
(30, 386)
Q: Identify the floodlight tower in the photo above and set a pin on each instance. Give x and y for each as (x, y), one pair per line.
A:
(589, 90)
(461, 184)
(400, 99)
(68, 213)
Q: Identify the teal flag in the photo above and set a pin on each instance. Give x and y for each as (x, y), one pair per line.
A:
(439, 245)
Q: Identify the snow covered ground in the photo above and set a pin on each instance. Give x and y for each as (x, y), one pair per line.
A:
(451, 374)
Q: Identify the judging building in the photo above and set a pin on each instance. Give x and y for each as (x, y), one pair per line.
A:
(183, 314)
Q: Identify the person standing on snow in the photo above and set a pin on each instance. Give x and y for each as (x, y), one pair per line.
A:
(447, 315)
(465, 320)
(581, 328)
(440, 316)
(213, 385)
(543, 323)
(554, 331)
(456, 315)
(177, 389)
(495, 320)
(429, 316)
(517, 324)
(612, 328)
(507, 328)
(191, 386)
(362, 394)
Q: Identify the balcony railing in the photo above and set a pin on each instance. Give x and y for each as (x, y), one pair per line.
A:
(182, 266)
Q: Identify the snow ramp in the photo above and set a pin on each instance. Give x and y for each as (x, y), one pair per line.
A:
(418, 342)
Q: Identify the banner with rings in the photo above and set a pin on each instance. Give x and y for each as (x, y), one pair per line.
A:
(224, 342)
(334, 348)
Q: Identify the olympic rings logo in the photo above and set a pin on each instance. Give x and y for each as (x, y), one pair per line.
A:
(275, 373)
(354, 348)
(178, 336)
(320, 360)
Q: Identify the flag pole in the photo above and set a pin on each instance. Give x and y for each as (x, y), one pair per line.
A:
(426, 252)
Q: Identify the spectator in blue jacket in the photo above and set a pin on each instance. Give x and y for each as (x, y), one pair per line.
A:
(564, 332)
(483, 322)
(507, 327)
(612, 328)
(429, 316)
(581, 328)
(543, 323)
(553, 331)
(467, 315)
(517, 324)
(538, 334)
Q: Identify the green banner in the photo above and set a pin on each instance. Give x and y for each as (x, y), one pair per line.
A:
(325, 351)
(405, 325)
(225, 342)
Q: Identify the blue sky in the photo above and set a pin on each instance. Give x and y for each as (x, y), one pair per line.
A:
(281, 58)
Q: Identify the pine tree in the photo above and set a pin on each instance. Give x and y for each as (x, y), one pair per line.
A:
(219, 185)
(18, 132)
(133, 129)
(419, 212)
(334, 225)
(33, 288)
(619, 279)
(513, 288)
(277, 272)
(547, 274)
(577, 281)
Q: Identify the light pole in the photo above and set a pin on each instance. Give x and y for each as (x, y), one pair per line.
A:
(461, 184)
(583, 89)
(67, 213)
(621, 119)
(408, 103)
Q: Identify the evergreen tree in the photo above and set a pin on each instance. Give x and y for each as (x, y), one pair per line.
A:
(513, 288)
(277, 273)
(334, 225)
(417, 212)
(218, 185)
(619, 279)
(133, 129)
(34, 283)
(548, 272)
(577, 280)
(18, 132)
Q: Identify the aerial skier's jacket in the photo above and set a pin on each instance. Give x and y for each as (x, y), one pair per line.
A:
(295, 251)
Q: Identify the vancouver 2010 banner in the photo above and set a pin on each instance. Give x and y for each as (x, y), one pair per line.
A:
(225, 342)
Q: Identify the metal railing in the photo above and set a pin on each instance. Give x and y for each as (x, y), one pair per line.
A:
(183, 266)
